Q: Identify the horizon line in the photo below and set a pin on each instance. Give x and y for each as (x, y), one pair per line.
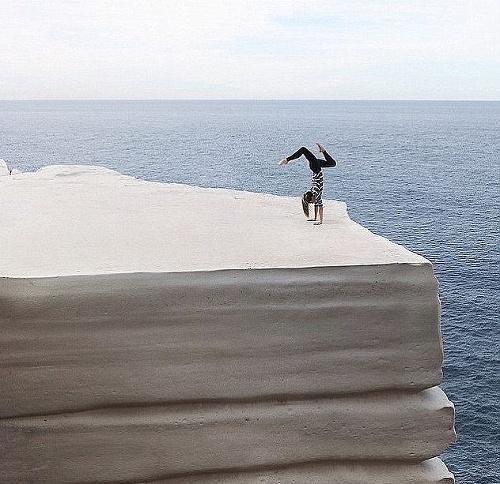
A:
(242, 99)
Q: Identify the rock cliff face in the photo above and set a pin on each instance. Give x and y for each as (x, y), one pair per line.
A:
(164, 333)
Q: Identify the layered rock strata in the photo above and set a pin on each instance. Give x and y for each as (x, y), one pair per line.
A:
(165, 333)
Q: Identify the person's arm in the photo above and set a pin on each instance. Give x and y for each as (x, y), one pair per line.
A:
(309, 215)
(319, 210)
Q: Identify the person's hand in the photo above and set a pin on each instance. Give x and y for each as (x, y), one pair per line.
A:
(284, 161)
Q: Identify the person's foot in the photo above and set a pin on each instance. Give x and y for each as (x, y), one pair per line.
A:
(284, 161)
(320, 148)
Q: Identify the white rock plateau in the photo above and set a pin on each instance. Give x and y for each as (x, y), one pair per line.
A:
(164, 333)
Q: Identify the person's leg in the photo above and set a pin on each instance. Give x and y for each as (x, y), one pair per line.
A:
(329, 161)
(302, 152)
(314, 163)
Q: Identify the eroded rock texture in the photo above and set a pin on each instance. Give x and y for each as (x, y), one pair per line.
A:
(321, 374)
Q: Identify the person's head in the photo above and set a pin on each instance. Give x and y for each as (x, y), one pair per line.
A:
(307, 198)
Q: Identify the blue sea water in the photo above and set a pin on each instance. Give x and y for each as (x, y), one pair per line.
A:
(423, 174)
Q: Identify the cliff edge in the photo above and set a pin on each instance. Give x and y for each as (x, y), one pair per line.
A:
(167, 333)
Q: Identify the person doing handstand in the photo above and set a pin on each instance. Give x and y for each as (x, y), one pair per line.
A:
(315, 193)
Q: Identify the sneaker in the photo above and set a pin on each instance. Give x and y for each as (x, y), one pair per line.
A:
(320, 148)
(284, 161)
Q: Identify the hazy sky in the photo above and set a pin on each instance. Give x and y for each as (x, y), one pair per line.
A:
(250, 49)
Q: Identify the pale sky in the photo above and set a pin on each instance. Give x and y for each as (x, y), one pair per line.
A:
(250, 49)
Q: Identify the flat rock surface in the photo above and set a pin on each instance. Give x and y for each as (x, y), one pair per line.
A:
(70, 220)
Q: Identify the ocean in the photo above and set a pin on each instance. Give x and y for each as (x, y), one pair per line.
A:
(425, 174)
